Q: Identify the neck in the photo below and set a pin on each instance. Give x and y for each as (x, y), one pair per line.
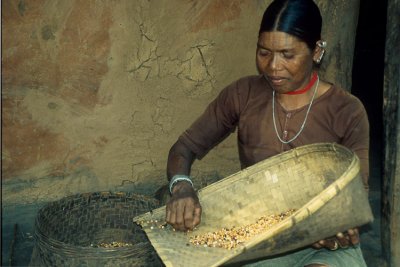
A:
(306, 88)
(296, 101)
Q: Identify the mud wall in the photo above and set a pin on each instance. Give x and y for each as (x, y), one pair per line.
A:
(95, 92)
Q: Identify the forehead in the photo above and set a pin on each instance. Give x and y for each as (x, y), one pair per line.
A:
(277, 40)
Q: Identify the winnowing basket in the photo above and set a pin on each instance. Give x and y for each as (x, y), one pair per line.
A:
(321, 181)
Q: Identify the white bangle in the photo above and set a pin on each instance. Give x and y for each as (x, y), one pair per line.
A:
(178, 178)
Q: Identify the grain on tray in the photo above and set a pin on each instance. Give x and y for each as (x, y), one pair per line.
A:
(230, 238)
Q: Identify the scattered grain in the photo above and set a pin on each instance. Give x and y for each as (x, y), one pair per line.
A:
(230, 238)
(113, 244)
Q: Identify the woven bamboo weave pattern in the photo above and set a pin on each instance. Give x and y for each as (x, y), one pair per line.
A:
(69, 232)
(321, 181)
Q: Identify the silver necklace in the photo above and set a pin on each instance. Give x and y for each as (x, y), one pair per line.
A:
(305, 119)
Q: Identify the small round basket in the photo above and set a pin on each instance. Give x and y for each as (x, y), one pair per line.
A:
(94, 229)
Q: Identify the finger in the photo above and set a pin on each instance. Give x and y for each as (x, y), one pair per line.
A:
(316, 245)
(354, 236)
(343, 240)
(172, 216)
(323, 243)
(168, 214)
(196, 216)
(188, 217)
(179, 217)
(331, 244)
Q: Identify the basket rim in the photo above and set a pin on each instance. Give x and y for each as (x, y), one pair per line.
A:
(66, 248)
(278, 159)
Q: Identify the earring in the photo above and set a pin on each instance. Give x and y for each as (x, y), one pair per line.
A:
(322, 44)
(321, 56)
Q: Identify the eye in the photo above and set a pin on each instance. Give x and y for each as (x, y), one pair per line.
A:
(288, 55)
(263, 52)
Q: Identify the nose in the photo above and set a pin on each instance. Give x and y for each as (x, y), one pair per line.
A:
(274, 62)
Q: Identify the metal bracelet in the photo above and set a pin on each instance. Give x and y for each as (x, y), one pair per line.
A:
(179, 178)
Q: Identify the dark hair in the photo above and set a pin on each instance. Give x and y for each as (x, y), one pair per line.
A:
(300, 18)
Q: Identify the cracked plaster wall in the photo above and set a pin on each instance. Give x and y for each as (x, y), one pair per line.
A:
(95, 92)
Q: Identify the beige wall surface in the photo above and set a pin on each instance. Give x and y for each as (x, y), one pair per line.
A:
(95, 92)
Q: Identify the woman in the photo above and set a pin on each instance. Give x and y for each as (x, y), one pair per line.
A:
(284, 107)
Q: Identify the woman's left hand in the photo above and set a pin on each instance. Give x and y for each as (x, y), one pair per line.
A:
(342, 240)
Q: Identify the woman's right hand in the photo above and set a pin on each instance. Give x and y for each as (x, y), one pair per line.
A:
(183, 208)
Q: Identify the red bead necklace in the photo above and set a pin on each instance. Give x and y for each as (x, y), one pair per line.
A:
(305, 89)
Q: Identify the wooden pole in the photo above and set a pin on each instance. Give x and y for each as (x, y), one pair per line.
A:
(391, 111)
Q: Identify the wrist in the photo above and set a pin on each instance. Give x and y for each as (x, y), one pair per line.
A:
(178, 179)
(182, 187)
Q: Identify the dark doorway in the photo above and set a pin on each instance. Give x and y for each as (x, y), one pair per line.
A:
(368, 73)
(368, 84)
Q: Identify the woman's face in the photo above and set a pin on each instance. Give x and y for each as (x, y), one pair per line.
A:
(286, 62)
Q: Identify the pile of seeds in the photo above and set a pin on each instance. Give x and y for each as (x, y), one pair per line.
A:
(113, 244)
(230, 238)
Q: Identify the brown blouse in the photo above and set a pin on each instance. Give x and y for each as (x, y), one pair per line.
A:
(336, 116)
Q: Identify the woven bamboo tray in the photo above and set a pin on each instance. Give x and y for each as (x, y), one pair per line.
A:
(321, 181)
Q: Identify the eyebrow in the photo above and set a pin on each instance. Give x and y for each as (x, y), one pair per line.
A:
(281, 50)
(260, 46)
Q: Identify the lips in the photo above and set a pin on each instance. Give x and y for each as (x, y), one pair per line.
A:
(276, 80)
